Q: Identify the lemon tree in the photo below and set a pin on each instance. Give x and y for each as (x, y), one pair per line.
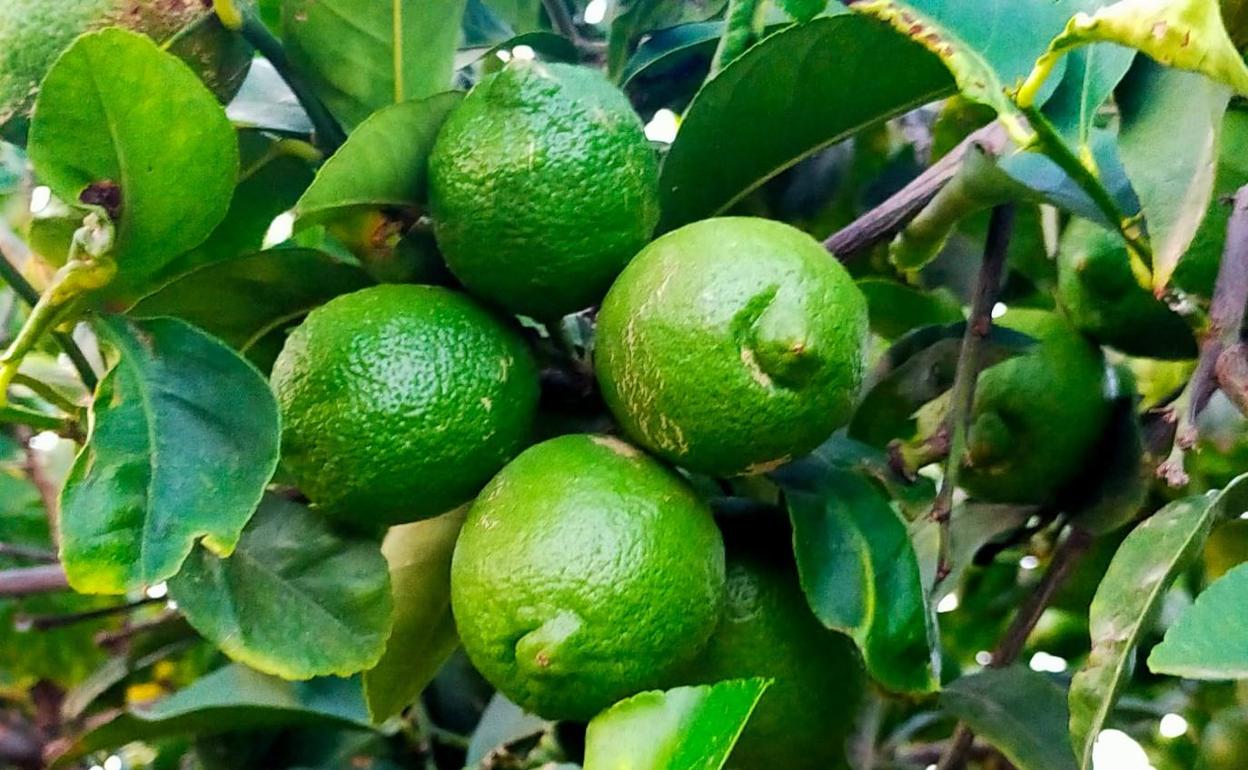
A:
(638, 385)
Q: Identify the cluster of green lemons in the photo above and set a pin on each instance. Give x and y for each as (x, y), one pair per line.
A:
(588, 569)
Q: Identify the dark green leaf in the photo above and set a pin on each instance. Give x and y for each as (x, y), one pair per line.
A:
(362, 55)
(797, 91)
(241, 300)
(667, 46)
(633, 19)
(293, 599)
(424, 634)
(1128, 597)
(896, 308)
(916, 370)
(383, 163)
(158, 134)
(688, 728)
(229, 699)
(547, 46)
(972, 526)
(802, 10)
(1171, 164)
(1210, 639)
(1017, 710)
(184, 437)
(859, 571)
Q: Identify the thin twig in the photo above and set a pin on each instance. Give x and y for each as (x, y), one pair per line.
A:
(49, 622)
(886, 219)
(962, 395)
(27, 581)
(561, 19)
(1226, 317)
(1012, 641)
(49, 494)
(27, 553)
(113, 640)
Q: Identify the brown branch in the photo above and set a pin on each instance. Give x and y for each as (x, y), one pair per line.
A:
(1226, 317)
(970, 361)
(49, 622)
(1006, 652)
(27, 581)
(19, 748)
(48, 492)
(886, 219)
(27, 553)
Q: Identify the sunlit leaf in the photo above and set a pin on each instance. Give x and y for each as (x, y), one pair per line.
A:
(1210, 639)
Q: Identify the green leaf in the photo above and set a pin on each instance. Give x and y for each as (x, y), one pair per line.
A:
(859, 571)
(802, 10)
(157, 134)
(273, 176)
(1128, 597)
(670, 46)
(229, 699)
(241, 300)
(1210, 639)
(634, 19)
(917, 369)
(547, 46)
(989, 47)
(972, 525)
(294, 599)
(688, 728)
(424, 634)
(1091, 75)
(383, 163)
(1171, 164)
(1017, 710)
(184, 437)
(797, 91)
(897, 308)
(362, 55)
(1184, 34)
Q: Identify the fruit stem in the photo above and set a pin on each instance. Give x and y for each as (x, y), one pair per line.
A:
(242, 20)
(10, 275)
(962, 395)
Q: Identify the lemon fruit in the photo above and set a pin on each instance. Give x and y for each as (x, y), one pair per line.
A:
(586, 572)
(1103, 299)
(732, 345)
(399, 402)
(1037, 415)
(33, 33)
(542, 186)
(768, 630)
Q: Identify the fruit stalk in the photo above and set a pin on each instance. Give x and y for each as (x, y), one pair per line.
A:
(1065, 558)
(962, 398)
(243, 21)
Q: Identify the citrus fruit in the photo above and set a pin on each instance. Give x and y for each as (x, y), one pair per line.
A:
(33, 33)
(1102, 298)
(768, 630)
(399, 402)
(542, 186)
(1037, 415)
(585, 572)
(731, 345)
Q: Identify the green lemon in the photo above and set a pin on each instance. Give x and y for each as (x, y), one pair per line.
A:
(542, 186)
(732, 345)
(585, 572)
(767, 630)
(399, 402)
(1037, 415)
(1103, 299)
(33, 33)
